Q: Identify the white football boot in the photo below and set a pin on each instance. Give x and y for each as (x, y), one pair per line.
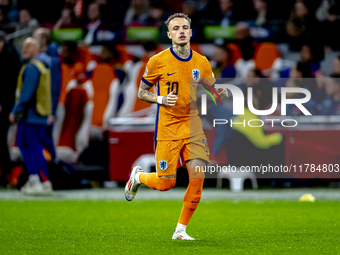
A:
(34, 187)
(131, 187)
(47, 186)
(182, 235)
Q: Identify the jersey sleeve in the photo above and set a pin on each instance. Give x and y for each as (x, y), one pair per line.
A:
(151, 73)
(208, 78)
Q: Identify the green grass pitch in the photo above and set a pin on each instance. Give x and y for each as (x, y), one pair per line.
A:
(146, 227)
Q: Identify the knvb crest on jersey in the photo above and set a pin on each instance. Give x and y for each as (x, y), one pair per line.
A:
(163, 165)
(196, 74)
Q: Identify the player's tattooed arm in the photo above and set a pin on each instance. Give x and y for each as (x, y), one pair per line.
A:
(146, 95)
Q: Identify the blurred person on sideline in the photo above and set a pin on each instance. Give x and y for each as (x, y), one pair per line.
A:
(9, 69)
(244, 40)
(221, 62)
(71, 66)
(331, 104)
(111, 55)
(32, 107)
(49, 54)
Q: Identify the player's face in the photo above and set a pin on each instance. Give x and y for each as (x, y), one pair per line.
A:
(179, 31)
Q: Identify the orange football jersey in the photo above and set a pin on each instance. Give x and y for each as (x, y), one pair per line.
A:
(170, 72)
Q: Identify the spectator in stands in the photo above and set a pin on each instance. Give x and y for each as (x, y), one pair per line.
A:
(49, 53)
(331, 105)
(261, 8)
(322, 12)
(26, 19)
(336, 65)
(301, 25)
(157, 14)
(94, 16)
(9, 10)
(27, 24)
(207, 11)
(292, 109)
(137, 12)
(3, 17)
(190, 8)
(333, 24)
(9, 69)
(244, 40)
(33, 105)
(312, 54)
(67, 20)
(228, 12)
(301, 71)
(222, 61)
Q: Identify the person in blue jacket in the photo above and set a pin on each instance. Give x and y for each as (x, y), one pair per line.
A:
(33, 105)
(49, 54)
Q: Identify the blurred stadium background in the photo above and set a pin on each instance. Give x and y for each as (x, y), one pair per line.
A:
(102, 128)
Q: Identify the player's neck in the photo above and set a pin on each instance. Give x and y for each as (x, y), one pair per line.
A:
(181, 51)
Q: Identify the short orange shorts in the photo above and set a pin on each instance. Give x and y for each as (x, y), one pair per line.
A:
(172, 154)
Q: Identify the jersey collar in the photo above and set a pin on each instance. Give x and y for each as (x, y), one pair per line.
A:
(179, 58)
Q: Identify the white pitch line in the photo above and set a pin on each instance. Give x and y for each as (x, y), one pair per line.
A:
(177, 194)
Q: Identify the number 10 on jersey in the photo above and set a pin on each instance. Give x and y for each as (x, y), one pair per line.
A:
(172, 86)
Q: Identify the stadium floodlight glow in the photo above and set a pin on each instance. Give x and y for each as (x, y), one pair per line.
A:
(238, 100)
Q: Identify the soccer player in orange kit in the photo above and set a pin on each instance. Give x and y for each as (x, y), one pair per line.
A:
(179, 135)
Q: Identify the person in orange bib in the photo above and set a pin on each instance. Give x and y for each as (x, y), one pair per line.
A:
(179, 137)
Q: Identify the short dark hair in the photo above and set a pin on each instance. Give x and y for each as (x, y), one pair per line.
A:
(150, 46)
(72, 45)
(304, 69)
(177, 15)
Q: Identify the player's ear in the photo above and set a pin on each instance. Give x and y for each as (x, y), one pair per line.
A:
(168, 34)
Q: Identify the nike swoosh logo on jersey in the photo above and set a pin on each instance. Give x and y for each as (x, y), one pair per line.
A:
(170, 74)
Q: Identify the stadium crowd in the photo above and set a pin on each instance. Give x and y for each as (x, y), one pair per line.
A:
(270, 44)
